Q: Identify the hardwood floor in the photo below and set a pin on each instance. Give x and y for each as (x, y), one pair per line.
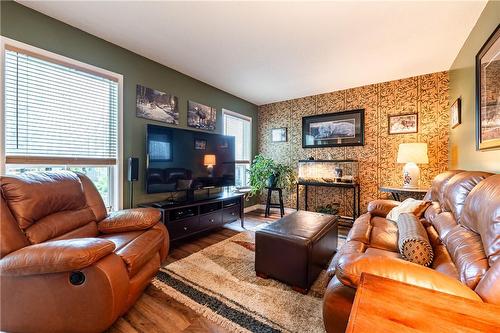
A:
(157, 312)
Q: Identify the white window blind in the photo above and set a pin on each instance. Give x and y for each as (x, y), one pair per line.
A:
(58, 114)
(240, 128)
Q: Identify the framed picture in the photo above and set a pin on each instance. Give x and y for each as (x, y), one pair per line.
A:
(488, 93)
(403, 124)
(338, 129)
(456, 113)
(156, 105)
(279, 134)
(201, 116)
(200, 144)
(223, 144)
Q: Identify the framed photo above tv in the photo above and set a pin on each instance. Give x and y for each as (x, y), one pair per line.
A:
(403, 124)
(156, 105)
(338, 129)
(488, 93)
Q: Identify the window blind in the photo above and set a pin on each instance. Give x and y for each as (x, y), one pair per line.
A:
(240, 129)
(58, 114)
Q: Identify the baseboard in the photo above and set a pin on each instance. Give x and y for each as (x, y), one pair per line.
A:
(261, 206)
(251, 208)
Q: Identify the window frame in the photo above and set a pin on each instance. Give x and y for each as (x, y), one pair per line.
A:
(246, 118)
(117, 174)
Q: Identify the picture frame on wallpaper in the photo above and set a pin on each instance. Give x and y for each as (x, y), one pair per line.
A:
(279, 134)
(156, 105)
(456, 113)
(201, 116)
(488, 93)
(403, 124)
(339, 129)
(200, 144)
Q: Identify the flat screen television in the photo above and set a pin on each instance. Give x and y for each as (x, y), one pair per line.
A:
(184, 160)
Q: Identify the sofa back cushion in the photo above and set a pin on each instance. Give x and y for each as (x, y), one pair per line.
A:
(481, 214)
(458, 188)
(32, 196)
(11, 236)
(438, 185)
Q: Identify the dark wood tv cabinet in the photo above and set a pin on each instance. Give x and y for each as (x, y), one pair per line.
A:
(188, 218)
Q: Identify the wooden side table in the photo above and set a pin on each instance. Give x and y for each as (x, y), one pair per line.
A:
(384, 305)
(398, 192)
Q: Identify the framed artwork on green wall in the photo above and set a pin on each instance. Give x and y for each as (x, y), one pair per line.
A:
(156, 105)
(488, 93)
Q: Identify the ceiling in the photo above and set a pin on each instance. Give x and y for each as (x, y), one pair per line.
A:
(272, 51)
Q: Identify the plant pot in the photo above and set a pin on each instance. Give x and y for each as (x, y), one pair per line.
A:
(272, 181)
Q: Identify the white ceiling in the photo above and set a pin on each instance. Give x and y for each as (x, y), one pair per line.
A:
(271, 51)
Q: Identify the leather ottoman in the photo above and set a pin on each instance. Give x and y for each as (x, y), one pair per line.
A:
(296, 248)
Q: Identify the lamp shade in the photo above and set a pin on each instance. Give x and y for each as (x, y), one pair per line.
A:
(413, 153)
(209, 160)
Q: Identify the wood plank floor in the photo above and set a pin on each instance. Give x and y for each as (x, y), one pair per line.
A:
(157, 312)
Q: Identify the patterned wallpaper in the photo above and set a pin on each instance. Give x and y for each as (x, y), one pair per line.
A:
(426, 94)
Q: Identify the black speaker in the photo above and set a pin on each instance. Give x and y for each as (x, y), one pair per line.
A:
(133, 169)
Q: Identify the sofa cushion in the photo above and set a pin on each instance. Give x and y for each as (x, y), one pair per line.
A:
(413, 242)
(34, 195)
(140, 250)
(384, 234)
(458, 188)
(410, 205)
(438, 185)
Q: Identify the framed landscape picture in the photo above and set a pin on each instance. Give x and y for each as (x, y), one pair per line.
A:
(456, 113)
(156, 105)
(200, 144)
(201, 116)
(488, 93)
(403, 124)
(279, 134)
(338, 129)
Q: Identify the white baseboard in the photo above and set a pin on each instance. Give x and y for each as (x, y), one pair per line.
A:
(251, 208)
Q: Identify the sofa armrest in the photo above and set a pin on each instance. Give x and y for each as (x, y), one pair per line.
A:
(129, 220)
(381, 207)
(55, 256)
(349, 273)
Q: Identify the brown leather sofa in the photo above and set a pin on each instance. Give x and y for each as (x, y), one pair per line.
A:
(66, 265)
(463, 226)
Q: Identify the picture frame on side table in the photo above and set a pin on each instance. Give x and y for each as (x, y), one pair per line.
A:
(456, 113)
(403, 124)
(279, 134)
(488, 93)
(339, 129)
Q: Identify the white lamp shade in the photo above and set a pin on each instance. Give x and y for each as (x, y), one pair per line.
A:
(209, 160)
(413, 153)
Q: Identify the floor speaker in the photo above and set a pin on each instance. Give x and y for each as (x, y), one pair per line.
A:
(133, 169)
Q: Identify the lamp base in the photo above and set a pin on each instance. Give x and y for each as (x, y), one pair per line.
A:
(411, 175)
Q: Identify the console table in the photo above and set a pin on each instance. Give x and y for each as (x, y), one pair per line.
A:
(397, 192)
(184, 219)
(355, 193)
(385, 305)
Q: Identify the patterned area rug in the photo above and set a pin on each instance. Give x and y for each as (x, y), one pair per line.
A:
(219, 282)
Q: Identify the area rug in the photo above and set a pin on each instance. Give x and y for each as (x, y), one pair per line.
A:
(219, 283)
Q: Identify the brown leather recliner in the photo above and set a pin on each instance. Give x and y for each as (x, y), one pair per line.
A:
(463, 226)
(66, 265)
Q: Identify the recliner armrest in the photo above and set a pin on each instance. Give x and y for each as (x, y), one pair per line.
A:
(349, 273)
(381, 207)
(129, 220)
(55, 256)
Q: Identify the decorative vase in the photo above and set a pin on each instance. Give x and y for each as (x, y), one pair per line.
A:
(272, 181)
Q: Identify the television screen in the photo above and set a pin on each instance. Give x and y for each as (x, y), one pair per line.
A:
(181, 160)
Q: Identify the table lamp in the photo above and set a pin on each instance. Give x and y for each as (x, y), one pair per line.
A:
(209, 162)
(411, 154)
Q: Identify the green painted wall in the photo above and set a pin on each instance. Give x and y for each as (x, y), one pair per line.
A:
(31, 27)
(463, 153)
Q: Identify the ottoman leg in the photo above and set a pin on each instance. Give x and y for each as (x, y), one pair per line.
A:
(262, 275)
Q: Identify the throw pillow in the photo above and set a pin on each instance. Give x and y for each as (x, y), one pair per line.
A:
(410, 205)
(413, 241)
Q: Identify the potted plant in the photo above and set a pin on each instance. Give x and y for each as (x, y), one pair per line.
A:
(265, 172)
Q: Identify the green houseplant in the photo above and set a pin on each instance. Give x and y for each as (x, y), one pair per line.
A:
(265, 172)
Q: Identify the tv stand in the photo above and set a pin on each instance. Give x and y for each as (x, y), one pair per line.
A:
(184, 219)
